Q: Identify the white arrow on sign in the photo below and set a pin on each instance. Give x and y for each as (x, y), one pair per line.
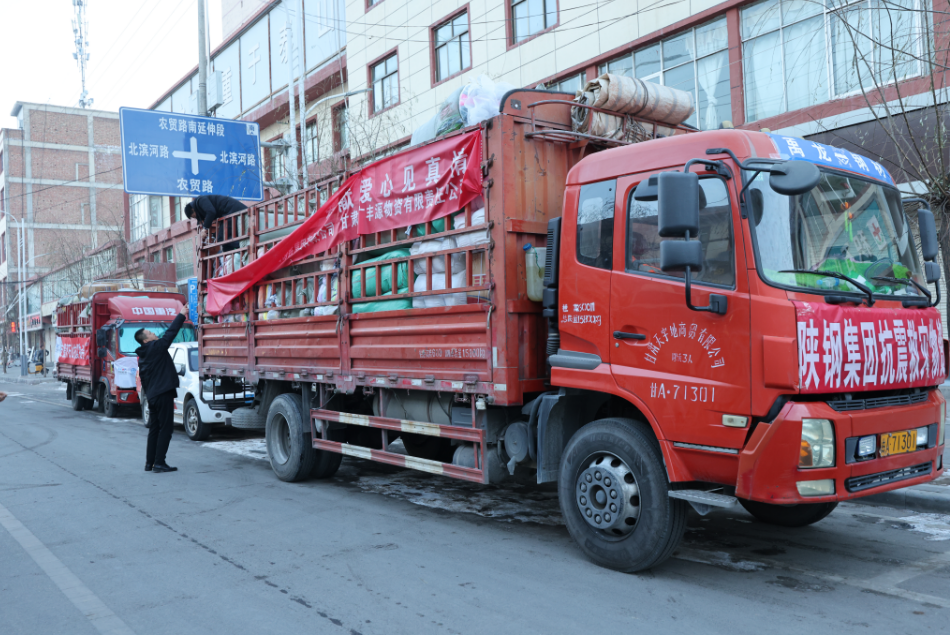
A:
(194, 156)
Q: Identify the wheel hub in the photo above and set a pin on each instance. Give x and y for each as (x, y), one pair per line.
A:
(607, 495)
(192, 420)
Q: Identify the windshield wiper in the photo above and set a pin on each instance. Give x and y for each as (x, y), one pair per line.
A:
(839, 276)
(907, 302)
(922, 289)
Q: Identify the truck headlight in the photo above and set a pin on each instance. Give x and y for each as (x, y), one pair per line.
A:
(818, 444)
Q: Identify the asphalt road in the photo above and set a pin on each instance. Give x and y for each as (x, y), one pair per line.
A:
(90, 543)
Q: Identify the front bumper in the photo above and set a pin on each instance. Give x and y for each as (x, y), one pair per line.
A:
(768, 465)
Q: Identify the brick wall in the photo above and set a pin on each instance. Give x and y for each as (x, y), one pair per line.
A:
(105, 132)
(57, 164)
(55, 127)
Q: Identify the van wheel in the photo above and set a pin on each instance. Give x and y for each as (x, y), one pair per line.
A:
(614, 495)
(788, 515)
(289, 448)
(195, 428)
(110, 408)
(145, 413)
(79, 402)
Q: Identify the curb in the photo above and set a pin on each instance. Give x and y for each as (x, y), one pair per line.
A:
(19, 379)
(930, 499)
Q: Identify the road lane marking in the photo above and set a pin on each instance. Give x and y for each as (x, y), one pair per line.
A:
(98, 614)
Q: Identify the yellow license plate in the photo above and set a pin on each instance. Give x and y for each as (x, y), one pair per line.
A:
(898, 442)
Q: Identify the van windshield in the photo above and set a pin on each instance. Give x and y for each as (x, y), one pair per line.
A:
(846, 225)
(127, 343)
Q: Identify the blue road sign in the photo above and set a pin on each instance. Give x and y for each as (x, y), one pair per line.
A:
(170, 154)
(193, 300)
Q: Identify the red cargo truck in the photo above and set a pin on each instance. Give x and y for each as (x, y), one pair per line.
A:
(728, 317)
(96, 344)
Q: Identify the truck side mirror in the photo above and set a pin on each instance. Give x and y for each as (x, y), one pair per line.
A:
(678, 202)
(932, 272)
(928, 234)
(101, 352)
(793, 178)
(102, 337)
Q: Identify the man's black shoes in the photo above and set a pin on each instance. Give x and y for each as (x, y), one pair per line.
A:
(163, 468)
(148, 467)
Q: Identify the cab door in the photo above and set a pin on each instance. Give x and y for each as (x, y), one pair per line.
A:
(689, 367)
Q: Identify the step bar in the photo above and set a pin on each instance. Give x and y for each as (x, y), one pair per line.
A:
(319, 418)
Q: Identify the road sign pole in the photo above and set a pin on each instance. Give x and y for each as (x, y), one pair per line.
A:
(301, 96)
(202, 60)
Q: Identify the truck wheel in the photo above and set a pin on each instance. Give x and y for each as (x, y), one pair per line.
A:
(195, 428)
(614, 495)
(289, 448)
(79, 402)
(788, 515)
(248, 419)
(145, 414)
(326, 464)
(100, 402)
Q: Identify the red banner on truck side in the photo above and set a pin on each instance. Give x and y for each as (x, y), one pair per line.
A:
(74, 350)
(862, 348)
(409, 188)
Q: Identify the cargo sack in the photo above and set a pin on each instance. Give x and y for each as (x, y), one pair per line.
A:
(629, 96)
(385, 305)
(402, 275)
(438, 263)
(438, 284)
(480, 237)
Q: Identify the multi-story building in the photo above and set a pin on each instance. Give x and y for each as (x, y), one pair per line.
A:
(61, 181)
(834, 72)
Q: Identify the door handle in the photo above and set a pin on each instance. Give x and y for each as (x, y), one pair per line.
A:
(620, 335)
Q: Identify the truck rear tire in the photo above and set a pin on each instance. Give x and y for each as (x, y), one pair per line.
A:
(248, 419)
(423, 446)
(195, 428)
(614, 495)
(79, 402)
(289, 447)
(788, 515)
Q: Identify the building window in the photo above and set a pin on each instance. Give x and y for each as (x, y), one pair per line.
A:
(372, 3)
(532, 16)
(277, 167)
(313, 142)
(2, 203)
(695, 61)
(385, 79)
(169, 255)
(570, 85)
(452, 48)
(157, 256)
(796, 55)
(139, 212)
(3, 248)
(341, 126)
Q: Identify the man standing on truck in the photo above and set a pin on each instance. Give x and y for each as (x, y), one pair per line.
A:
(159, 381)
(209, 208)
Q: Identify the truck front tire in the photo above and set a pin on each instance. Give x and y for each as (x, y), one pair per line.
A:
(788, 515)
(289, 446)
(614, 495)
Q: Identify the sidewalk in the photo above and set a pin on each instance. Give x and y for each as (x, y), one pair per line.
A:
(31, 380)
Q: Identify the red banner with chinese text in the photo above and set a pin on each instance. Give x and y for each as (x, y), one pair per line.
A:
(409, 188)
(844, 348)
(74, 350)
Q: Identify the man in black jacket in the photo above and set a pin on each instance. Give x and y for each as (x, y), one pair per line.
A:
(159, 381)
(209, 208)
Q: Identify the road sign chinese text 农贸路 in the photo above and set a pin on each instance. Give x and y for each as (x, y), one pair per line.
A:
(171, 154)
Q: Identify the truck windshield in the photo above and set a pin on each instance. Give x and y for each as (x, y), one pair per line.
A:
(845, 225)
(127, 343)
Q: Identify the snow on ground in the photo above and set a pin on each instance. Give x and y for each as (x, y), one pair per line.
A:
(936, 525)
(512, 502)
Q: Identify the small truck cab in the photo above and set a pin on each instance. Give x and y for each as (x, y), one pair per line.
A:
(96, 340)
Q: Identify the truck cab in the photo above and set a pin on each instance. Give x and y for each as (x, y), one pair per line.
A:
(781, 345)
(97, 344)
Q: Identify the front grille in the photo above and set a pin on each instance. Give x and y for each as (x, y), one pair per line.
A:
(847, 405)
(858, 483)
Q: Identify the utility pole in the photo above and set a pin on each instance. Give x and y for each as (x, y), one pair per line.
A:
(202, 60)
(292, 155)
(81, 38)
(302, 98)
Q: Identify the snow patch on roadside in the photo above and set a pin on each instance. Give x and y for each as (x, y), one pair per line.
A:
(251, 448)
(720, 559)
(503, 503)
(936, 525)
